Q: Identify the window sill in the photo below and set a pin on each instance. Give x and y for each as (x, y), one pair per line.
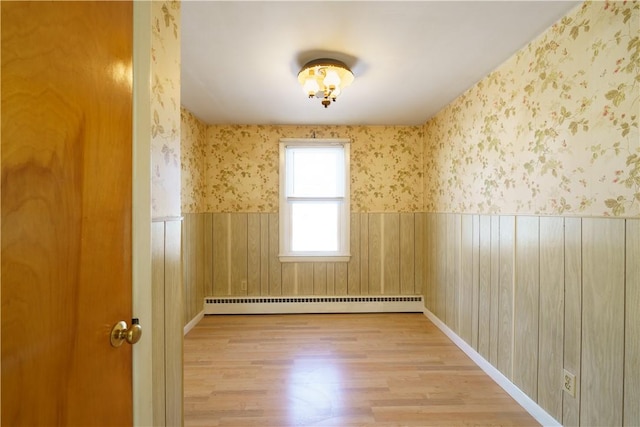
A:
(314, 258)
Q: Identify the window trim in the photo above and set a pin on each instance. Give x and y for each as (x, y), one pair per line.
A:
(344, 221)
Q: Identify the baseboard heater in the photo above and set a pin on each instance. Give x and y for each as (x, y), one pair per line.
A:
(314, 304)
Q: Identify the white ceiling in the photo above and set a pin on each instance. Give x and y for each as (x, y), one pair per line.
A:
(240, 60)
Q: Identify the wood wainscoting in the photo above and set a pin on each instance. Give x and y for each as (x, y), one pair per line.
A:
(236, 254)
(537, 295)
(168, 321)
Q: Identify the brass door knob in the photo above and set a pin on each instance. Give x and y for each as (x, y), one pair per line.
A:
(120, 333)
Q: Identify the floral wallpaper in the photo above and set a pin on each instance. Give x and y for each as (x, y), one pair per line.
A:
(192, 162)
(165, 108)
(241, 167)
(554, 130)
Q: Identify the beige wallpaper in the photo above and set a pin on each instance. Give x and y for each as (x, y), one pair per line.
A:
(165, 108)
(553, 131)
(241, 170)
(192, 153)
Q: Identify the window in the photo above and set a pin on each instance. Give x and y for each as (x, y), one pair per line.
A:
(314, 199)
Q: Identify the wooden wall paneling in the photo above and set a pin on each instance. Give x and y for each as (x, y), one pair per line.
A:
(449, 272)
(426, 259)
(603, 264)
(264, 254)
(454, 230)
(494, 311)
(320, 278)
(208, 254)
(188, 269)
(157, 314)
(364, 254)
(353, 269)
(375, 253)
(331, 278)
(475, 257)
(407, 253)
(238, 259)
(466, 277)
(254, 251)
(190, 247)
(505, 299)
(305, 278)
(484, 301)
(391, 253)
(441, 267)
(341, 278)
(526, 303)
(631, 416)
(457, 274)
(289, 284)
(420, 236)
(430, 255)
(221, 284)
(173, 327)
(196, 300)
(432, 224)
(572, 316)
(275, 269)
(550, 345)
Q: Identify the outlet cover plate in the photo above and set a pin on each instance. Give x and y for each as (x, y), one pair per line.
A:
(569, 383)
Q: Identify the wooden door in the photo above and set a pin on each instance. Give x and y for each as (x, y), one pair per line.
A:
(66, 212)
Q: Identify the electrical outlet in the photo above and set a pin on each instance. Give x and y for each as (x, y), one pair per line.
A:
(243, 285)
(569, 383)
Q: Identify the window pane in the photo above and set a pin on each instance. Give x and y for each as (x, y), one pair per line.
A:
(316, 172)
(314, 226)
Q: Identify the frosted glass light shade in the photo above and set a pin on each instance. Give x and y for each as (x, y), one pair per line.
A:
(325, 76)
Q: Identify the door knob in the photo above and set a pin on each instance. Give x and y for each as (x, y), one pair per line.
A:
(120, 333)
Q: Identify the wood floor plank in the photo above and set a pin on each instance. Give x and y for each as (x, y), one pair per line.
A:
(381, 369)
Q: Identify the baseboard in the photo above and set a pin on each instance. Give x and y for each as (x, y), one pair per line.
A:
(519, 396)
(189, 326)
(314, 304)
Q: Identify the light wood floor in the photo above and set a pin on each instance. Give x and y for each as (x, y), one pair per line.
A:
(336, 370)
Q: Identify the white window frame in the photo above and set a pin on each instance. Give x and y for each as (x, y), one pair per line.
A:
(344, 217)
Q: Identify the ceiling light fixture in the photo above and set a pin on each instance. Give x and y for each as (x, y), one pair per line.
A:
(325, 78)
